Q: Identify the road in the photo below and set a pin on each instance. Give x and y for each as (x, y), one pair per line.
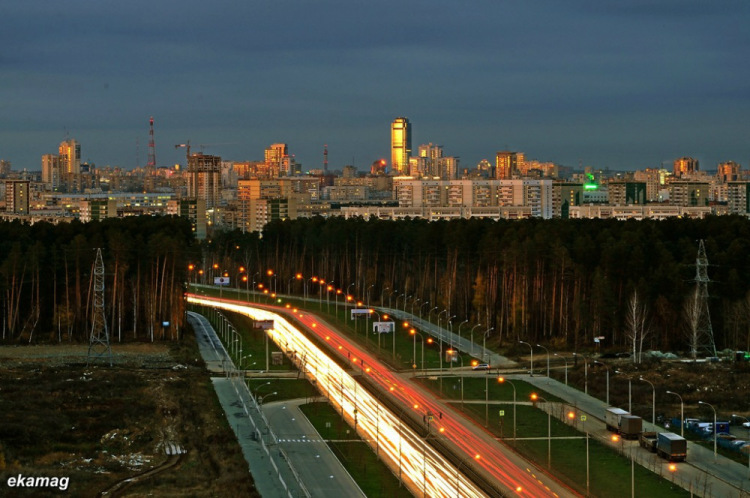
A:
(317, 466)
(264, 458)
(510, 473)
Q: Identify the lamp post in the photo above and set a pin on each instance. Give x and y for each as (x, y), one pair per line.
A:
(630, 393)
(484, 344)
(440, 352)
(748, 433)
(607, 367)
(346, 298)
(653, 400)
(459, 332)
(682, 413)
(566, 367)
(406, 298)
(585, 373)
(503, 380)
(255, 392)
(390, 296)
(421, 338)
(472, 337)
(547, 350)
(411, 310)
(535, 397)
(714, 409)
(440, 331)
(429, 314)
(531, 369)
(420, 310)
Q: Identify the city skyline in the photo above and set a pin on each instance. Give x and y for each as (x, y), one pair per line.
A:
(610, 85)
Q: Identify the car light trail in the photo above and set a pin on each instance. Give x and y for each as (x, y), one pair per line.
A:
(423, 469)
(416, 462)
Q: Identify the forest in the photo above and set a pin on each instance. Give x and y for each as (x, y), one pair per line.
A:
(46, 280)
(557, 282)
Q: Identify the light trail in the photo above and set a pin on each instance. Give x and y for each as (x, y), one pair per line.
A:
(423, 469)
(409, 456)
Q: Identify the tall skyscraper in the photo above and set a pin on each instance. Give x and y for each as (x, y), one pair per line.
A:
(204, 178)
(69, 154)
(400, 146)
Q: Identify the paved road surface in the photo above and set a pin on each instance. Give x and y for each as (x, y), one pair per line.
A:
(249, 426)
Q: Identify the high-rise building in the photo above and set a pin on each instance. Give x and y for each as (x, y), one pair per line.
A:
(685, 166)
(400, 146)
(277, 159)
(507, 164)
(728, 171)
(17, 196)
(51, 172)
(204, 179)
(69, 154)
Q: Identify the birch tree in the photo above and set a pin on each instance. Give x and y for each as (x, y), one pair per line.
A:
(636, 323)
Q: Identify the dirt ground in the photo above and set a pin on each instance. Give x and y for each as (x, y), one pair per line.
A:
(99, 425)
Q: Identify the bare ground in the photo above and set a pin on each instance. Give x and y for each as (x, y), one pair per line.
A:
(98, 424)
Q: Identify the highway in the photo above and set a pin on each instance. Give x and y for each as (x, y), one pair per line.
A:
(423, 470)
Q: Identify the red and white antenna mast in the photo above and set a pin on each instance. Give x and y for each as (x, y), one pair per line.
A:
(151, 146)
(325, 159)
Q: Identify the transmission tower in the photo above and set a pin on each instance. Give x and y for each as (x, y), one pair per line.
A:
(703, 332)
(151, 146)
(99, 339)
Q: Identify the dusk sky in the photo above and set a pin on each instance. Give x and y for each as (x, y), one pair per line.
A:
(624, 84)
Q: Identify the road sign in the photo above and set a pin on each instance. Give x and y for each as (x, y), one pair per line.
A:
(583, 418)
(502, 413)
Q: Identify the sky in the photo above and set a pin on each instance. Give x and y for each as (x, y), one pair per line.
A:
(620, 84)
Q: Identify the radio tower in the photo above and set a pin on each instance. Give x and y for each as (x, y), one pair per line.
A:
(151, 147)
(325, 159)
(702, 334)
(99, 339)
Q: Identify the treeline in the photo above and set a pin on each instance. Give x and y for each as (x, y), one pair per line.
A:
(560, 282)
(46, 280)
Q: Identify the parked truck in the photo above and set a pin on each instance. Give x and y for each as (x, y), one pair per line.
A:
(623, 423)
(648, 440)
(671, 446)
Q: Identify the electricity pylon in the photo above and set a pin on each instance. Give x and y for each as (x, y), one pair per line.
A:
(99, 339)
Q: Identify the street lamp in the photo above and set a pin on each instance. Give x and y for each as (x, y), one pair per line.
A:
(459, 332)
(346, 298)
(682, 413)
(547, 350)
(535, 397)
(630, 392)
(715, 431)
(414, 354)
(420, 309)
(503, 380)
(429, 314)
(653, 400)
(607, 367)
(566, 367)
(484, 344)
(255, 392)
(531, 370)
(585, 373)
(472, 337)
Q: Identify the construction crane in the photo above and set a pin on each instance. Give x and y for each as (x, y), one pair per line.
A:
(187, 146)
